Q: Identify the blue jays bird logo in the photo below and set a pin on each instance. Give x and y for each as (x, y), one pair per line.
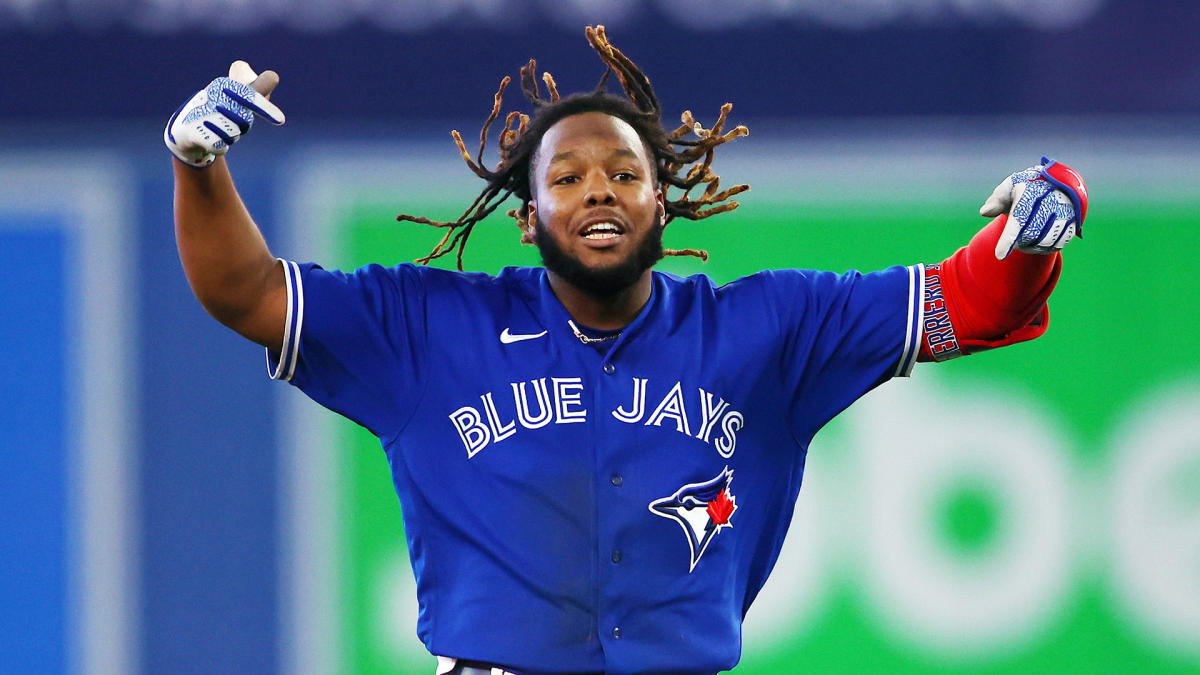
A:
(701, 509)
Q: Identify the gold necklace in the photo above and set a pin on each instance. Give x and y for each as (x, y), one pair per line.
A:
(590, 340)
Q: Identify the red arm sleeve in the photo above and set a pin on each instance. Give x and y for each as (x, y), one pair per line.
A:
(974, 302)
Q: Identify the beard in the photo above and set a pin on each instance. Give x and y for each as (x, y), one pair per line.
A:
(600, 282)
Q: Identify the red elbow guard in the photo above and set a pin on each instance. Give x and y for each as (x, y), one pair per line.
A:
(974, 302)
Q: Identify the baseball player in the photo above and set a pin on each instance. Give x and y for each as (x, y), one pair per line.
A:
(596, 462)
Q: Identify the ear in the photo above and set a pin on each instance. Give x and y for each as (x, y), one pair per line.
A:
(661, 199)
(530, 223)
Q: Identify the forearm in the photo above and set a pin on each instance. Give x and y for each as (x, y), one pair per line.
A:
(225, 257)
(995, 297)
(975, 302)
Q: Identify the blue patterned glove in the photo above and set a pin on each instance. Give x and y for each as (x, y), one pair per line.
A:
(217, 116)
(1046, 205)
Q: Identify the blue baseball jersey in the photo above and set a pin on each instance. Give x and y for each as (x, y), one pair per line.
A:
(611, 507)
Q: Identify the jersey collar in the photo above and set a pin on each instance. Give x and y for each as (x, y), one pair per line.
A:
(557, 315)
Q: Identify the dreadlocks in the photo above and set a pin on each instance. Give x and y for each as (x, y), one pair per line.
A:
(520, 136)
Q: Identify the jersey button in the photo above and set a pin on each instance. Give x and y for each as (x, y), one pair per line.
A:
(609, 368)
(617, 480)
(616, 632)
(616, 556)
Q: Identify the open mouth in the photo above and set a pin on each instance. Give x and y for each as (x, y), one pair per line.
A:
(601, 230)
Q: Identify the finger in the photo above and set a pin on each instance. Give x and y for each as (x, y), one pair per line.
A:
(241, 121)
(266, 82)
(994, 206)
(1067, 235)
(1008, 237)
(242, 72)
(259, 105)
(998, 202)
(1060, 231)
(1038, 219)
(221, 133)
(197, 144)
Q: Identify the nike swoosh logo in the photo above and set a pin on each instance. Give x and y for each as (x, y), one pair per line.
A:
(509, 338)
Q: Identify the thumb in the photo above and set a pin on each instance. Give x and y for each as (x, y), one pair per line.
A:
(998, 202)
(1008, 237)
(266, 82)
(263, 85)
(242, 72)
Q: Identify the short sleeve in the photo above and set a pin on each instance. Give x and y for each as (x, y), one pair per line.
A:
(843, 335)
(355, 342)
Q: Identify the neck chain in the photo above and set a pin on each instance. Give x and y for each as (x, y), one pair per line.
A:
(589, 340)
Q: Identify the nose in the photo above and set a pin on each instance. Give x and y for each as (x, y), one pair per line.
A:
(598, 190)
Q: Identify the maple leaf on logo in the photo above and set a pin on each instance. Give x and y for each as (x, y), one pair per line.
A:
(721, 508)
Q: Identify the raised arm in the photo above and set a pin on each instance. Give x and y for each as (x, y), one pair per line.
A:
(226, 260)
(224, 255)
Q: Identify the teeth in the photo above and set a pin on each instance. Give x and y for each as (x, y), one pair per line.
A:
(602, 231)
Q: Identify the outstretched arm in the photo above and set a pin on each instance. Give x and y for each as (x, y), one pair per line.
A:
(226, 260)
(993, 291)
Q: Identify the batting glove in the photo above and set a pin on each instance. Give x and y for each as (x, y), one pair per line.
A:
(1046, 205)
(218, 115)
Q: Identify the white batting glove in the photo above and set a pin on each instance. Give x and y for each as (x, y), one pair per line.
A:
(218, 115)
(1046, 205)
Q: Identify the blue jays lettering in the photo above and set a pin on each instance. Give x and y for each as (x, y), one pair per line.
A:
(561, 401)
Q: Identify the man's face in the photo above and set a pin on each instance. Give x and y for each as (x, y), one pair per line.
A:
(596, 210)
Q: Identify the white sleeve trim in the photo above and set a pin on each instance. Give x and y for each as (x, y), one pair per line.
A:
(916, 316)
(289, 351)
